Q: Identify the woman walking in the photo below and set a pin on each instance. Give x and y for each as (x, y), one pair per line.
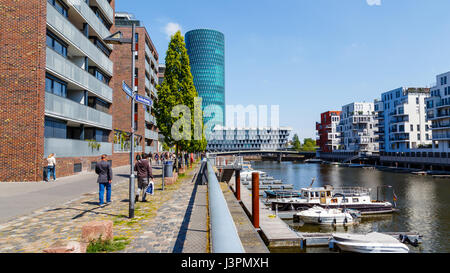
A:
(51, 166)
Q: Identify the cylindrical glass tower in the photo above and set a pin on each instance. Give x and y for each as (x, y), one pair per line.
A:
(206, 50)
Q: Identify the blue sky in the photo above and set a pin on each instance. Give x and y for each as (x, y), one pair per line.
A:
(311, 56)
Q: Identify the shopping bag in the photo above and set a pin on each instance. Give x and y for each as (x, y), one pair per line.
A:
(150, 188)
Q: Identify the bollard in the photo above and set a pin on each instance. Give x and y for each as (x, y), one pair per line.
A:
(238, 185)
(255, 199)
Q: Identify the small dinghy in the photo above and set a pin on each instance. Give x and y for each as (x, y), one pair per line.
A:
(368, 243)
(322, 216)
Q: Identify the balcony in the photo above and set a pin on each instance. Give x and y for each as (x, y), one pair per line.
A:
(149, 118)
(441, 136)
(151, 149)
(86, 12)
(119, 148)
(442, 126)
(60, 25)
(62, 108)
(74, 148)
(107, 10)
(70, 72)
(151, 134)
(150, 55)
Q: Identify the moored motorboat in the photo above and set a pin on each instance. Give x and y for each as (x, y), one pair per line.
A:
(373, 242)
(329, 197)
(323, 216)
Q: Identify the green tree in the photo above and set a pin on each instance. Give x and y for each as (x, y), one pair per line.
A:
(296, 144)
(309, 145)
(175, 108)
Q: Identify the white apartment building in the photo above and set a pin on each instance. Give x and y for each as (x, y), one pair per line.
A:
(225, 139)
(438, 113)
(379, 121)
(357, 128)
(402, 120)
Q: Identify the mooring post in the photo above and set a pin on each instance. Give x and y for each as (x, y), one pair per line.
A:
(255, 199)
(238, 185)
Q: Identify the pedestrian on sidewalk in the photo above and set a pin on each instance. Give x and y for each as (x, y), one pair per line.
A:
(104, 171)
(51, 166)
(144, 173)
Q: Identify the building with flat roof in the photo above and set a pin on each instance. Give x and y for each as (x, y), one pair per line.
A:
(225, 139)
(402, 117)
(146, 79)
(56, 92)
(329, 139)
(357, 128)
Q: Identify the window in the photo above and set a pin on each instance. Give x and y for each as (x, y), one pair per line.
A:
(54, 128)
(55, 86)
(412, 128)
(417, 100)
(56, 44)
(355, 200)
(59, 6)
(418, 127)
(418, 136)
(99, 75)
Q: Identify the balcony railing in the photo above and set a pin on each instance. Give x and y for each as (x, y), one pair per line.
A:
(151, 149)
(67, 109)
(107, 9)
(74, 148)
(149, 118)
(73, 73)
(88, 14)
(149, 134)
(119, 148)
(61, 25)
(150, 55)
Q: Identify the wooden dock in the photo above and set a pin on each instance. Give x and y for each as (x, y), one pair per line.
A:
(274, 231)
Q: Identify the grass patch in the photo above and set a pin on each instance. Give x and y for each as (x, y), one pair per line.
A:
(100, 246)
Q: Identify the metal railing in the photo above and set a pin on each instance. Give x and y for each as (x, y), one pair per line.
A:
(67, 109)
(224, 235)
(73, 73)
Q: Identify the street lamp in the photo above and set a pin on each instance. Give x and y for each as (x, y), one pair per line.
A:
(117, 39)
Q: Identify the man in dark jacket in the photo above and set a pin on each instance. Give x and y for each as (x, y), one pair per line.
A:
(104, 171)
(144, 173)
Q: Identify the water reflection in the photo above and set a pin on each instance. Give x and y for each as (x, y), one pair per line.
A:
(422, 201)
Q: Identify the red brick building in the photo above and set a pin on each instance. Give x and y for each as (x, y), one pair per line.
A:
(60, 92)
(328, 137)
(146, 64)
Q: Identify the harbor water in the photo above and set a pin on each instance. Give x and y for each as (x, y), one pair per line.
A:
(422, 201)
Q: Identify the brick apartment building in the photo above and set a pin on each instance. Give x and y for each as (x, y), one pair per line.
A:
(328, 137)
(59, 92)
(146, 79)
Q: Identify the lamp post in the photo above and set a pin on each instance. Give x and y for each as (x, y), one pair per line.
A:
(117, 39)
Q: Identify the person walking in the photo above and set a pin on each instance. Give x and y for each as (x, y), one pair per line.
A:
(144, 173)
(104, 180)
(51, 166)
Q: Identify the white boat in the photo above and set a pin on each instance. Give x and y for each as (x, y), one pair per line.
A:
(323, 216)
(373, 242)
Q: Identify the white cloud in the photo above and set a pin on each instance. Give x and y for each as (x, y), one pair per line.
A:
(374, 2)
(171, 28)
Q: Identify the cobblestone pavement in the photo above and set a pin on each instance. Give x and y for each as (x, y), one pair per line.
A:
(155, 227)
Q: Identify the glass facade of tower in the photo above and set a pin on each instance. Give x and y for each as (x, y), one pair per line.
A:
(206, 50)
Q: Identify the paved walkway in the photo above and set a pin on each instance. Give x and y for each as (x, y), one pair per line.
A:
(162, 225)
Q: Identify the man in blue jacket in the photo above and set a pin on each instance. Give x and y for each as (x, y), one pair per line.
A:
(104, 171)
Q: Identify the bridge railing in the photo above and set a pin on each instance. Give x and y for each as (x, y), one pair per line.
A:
(224, 235)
